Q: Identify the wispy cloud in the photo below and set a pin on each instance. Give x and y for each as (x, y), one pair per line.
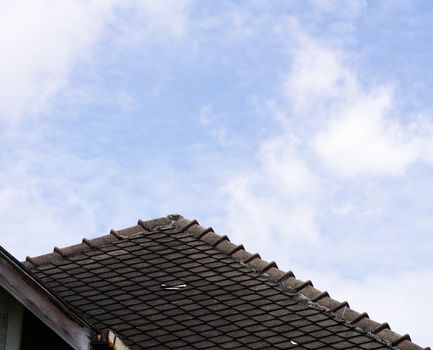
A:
(40, 44)
(276, 198)
(356, 133)
(43, 42)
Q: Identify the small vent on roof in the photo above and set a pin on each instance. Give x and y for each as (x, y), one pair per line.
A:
(293, 342)
(173, 286)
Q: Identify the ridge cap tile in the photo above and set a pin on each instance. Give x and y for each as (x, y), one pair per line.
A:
(84, 246)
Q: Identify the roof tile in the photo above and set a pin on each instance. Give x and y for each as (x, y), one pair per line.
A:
(170, 283)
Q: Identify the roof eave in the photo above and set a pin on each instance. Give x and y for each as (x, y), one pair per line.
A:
(45, 306)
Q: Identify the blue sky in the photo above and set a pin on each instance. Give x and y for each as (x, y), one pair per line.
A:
(303, 130)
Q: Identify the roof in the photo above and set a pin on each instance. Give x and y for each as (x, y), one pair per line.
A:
(170, 283)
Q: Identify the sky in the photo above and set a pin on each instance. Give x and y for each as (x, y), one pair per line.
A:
(302, 129)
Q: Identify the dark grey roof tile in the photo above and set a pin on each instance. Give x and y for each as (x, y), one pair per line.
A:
(169, 283)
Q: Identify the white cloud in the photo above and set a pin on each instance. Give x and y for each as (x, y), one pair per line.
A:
(284, 168)
(41, 42)
(276, 197)
(317, 76)
(355, 131)
(361, 140)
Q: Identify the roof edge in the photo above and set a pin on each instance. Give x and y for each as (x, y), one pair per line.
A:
(43, 304)
(114, 235)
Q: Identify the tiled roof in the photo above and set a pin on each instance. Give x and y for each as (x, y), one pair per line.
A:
(171, 284)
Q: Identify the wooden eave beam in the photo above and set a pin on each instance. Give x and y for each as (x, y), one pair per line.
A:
(45, 306)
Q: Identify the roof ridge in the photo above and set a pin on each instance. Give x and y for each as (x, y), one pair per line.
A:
(287, 280)
(113, 236)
